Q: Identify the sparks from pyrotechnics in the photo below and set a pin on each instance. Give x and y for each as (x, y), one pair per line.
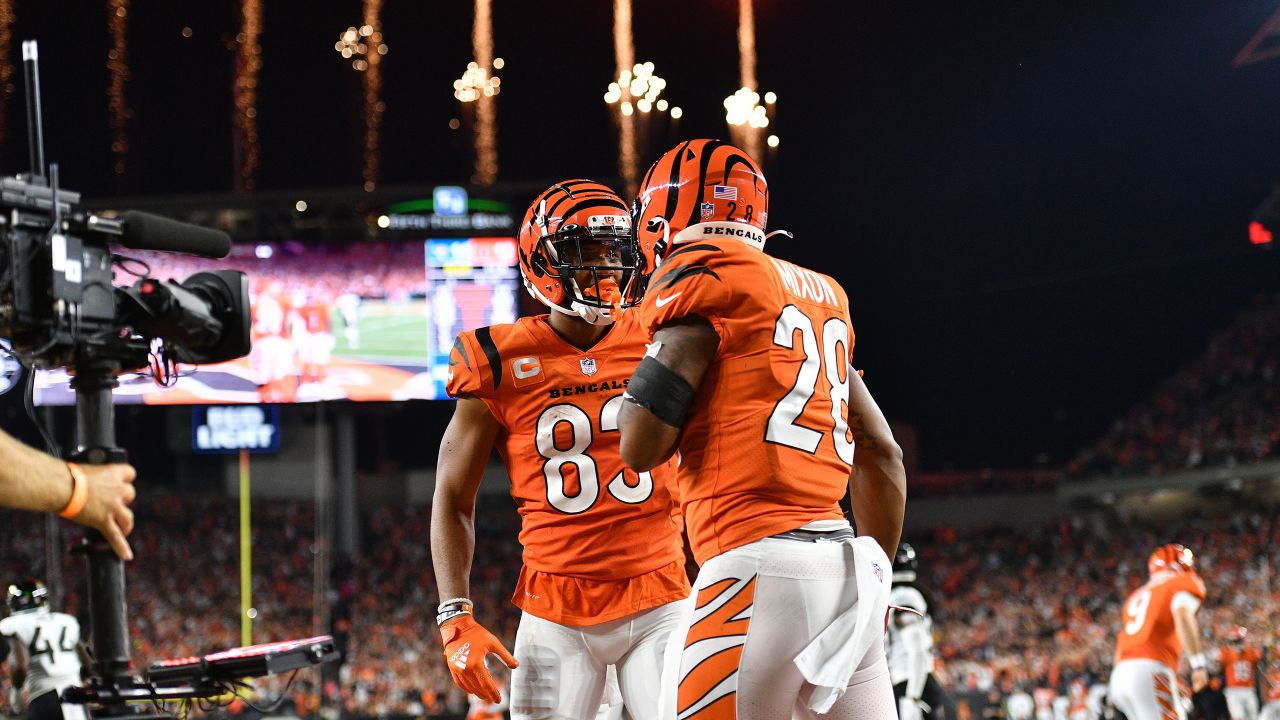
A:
(479, 85)
(7, 17)
(746, 117)
(364, 47)
(118, 68)
(634, 93)
(248, 65)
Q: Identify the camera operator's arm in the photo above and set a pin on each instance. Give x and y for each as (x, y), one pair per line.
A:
(32, 480)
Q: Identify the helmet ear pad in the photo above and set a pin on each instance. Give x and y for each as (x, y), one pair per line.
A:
(540, 279)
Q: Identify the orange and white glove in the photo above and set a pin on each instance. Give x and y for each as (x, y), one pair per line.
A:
(466, 644)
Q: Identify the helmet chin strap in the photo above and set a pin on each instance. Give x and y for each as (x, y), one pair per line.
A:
(593, 315)
(587, 313)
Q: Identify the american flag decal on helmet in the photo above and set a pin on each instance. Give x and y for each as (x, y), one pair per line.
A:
(724, 192)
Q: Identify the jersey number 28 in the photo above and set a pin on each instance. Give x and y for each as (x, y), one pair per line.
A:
(825, 355)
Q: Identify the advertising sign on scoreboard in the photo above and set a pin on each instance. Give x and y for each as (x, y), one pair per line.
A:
(232, 428)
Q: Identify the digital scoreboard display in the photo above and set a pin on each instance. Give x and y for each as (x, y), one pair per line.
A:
(365, 321)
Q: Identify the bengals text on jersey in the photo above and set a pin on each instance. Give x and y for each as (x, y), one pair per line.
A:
(1147, 630)
(599, 539)
(766, 448)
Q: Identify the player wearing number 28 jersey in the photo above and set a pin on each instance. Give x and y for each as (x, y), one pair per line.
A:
(603, 580)
(749, 377)
(1159, 625)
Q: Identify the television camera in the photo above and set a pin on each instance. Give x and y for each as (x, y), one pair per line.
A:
(59, 307)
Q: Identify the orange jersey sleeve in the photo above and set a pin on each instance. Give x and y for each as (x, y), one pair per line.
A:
(690, 282)
(1147, 625)
(766, 447)
(469, 372)
(598, 538)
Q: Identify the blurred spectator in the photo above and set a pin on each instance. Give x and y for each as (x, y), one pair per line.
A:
(1221, 409)
(1031, 610)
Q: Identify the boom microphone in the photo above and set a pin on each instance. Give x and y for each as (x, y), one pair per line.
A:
(144, 231)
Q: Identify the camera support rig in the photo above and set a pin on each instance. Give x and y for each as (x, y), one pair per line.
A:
(58, 308)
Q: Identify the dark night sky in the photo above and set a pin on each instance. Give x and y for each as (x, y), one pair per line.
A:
(1038, 208)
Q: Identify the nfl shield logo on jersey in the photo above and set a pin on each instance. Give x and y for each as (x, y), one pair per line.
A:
(588, 366)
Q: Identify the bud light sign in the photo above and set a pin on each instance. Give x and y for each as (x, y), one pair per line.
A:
(232, 428)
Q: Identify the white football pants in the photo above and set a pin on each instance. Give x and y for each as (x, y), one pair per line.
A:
(760, 609)
(563, 671)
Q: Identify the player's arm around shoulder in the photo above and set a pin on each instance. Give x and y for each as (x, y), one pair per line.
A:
(662, 389)
(878, 481)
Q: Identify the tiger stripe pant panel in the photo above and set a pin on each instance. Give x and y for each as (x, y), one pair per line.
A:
(755, 609)
(1145, 690)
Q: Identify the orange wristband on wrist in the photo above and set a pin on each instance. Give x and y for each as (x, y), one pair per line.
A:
(79, 492)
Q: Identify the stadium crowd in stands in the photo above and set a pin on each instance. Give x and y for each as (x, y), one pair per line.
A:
(183, 596)
(1041, 608)
(1029, 609)
(1221, 409)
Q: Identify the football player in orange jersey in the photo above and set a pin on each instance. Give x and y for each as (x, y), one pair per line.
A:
(1271, 692)
(749, 377)
(1158, 626)
(603, 582)
(1238, 663)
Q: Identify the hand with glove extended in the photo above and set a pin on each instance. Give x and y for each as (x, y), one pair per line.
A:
(466, 645)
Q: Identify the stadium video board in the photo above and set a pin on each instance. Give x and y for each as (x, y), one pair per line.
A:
(366, 321)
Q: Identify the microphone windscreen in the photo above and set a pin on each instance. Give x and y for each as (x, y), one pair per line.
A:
(144, 231)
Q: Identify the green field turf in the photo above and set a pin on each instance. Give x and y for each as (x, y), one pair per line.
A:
(388, 331)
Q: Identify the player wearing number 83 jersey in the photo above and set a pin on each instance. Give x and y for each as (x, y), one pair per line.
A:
(603, 580)
(583, 514)
(749, 377)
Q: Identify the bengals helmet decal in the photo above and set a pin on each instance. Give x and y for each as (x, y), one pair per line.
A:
(700, 183)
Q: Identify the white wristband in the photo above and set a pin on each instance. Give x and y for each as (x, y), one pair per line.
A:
(1197, 661)
(445, 604)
